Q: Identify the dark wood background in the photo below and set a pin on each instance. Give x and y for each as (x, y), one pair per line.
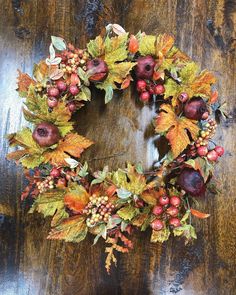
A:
(29, 264)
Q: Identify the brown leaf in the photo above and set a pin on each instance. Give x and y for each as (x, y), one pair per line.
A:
(24, 81)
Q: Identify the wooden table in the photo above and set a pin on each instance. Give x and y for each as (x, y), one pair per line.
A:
(30, 264)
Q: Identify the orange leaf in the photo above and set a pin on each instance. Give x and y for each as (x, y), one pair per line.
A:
(76, 198)
(164, 43)
(125, 84)
(110, 191)
(24, 81)
(199, 214)
(167, 121)
(72, 145)
(133, 44)
(202, 83)
(214, 97)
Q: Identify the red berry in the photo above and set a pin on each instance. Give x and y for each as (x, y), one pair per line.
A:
(175, 201)
(172, 211)
(159, 89)
(55, 172)
(52, 102)
(220, 150)
(202, 151)
(144, 96)
(183, 97)
(74, 90)
(157, 210)
(141, 85)
(164, 200)
(205, 115)
(72, 106)
(157, 224)
(212, 156)
(175, 222)
(61, 86)
(53, 91)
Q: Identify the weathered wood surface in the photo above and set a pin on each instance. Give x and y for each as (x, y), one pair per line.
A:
(29, 264)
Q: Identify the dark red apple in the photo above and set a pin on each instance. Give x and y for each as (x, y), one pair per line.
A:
(46, 134)
(145, 67)
(195, 108)
(98, 69)
(191, 181)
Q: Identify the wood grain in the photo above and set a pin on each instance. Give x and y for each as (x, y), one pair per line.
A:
(30, 264)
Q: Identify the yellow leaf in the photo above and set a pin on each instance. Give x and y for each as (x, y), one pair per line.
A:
(147, 45)
(164, 43)
(72, 145)
(116, 49)
(96, 47)
(176, 129)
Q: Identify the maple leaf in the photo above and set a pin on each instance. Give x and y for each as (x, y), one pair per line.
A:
(96, 47)
(164, 43)
(72, 229)
(76, 198)
(41, 71)
(129, 180)
(116, 49)
(71, 145)
(23, 82)
(31, 154)
(127, 212)
(49, 203)
(191, 82)
(175, 128)
(150, 196)
(147, 45)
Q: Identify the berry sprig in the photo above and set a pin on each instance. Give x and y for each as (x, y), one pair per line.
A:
(98, 210)
(46, 184)
(167, 210)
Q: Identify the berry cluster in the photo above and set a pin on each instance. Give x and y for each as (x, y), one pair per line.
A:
(166, 210)
(206, 133)
(98, 209)
(72, 59)
(147, 89)
(46, 184)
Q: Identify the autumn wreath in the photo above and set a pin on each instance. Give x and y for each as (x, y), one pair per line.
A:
(112, 204)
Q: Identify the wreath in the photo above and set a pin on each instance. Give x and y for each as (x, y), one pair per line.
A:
(112, 204)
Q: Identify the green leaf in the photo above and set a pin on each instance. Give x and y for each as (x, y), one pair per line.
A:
(127, 213)
(189, 72)
(109, 94)
(116, 48)
(123, 193)
(96, 47)
(102, 233)
(58, 43)
(84, 94)
(147, 45)
(49, 203)
(83, 76)
(160, 235)
(83, 170)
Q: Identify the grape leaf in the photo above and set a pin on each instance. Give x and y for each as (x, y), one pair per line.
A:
(175, 126)
(163, 44)
(72, 144)
(72, 229)
(48, 203)
(76, 198)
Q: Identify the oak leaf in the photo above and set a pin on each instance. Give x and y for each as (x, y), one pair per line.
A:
(72, 145)
(176, 129)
